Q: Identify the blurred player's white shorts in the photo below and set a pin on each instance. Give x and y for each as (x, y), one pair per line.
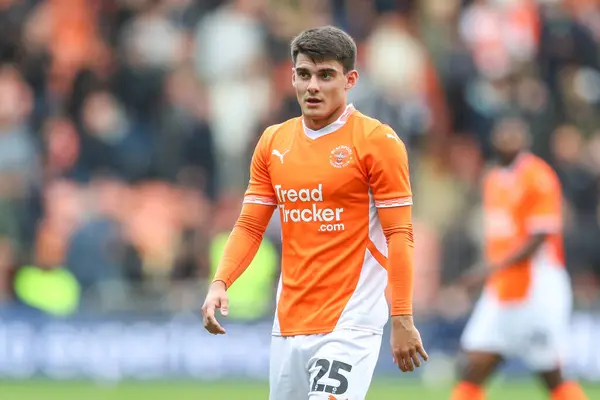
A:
(534, 331)
(338, 365)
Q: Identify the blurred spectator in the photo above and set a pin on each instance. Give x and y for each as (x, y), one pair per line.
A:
(98, 249)
(231, 58)
(112, 140)
(19, 169)
(408, 95)
(55, 292)
(185, 144)
(582, 194)
(7, 265)
(502, 35)
(580, 186)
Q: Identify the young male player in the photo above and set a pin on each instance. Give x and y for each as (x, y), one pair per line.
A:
(341, 183)
(525, 308)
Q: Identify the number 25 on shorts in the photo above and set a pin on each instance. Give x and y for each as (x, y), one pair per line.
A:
(334, 368)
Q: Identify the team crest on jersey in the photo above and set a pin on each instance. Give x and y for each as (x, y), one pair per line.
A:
(341, 156)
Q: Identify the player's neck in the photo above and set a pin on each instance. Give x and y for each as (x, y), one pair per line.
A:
(508, 161)
(316, 124)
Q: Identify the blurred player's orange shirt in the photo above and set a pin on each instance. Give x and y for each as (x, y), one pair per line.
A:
(327, 185)
(520, 201)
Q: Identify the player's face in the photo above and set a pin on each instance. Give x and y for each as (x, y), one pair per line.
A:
(509, 139)
(321, 88)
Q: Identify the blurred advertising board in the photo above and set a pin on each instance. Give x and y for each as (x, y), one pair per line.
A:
(113, 349)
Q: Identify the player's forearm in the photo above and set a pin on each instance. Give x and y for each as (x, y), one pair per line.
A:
(401, 271)
(524, 253)
(397, 227)
(243, 242)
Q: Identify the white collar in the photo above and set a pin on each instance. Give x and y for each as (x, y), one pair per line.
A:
(334, 126)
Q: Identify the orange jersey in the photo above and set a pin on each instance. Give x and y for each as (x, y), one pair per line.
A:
(520, 201)
(327, 186)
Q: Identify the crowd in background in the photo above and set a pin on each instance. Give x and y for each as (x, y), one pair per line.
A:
(127, 126)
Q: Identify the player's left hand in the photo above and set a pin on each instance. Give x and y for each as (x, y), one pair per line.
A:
(406, 343)
(474, 277)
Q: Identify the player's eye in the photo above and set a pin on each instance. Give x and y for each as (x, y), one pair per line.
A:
(326, 75)
(303, 74)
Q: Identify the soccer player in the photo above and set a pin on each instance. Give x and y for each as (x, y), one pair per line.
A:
(525, 308)
(340, 181)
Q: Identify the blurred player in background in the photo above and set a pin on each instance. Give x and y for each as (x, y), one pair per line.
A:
(341, 183)
(525, 308)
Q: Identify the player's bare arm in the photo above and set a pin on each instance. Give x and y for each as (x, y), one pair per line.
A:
(478, 274)
(523, 253)
(241, 247)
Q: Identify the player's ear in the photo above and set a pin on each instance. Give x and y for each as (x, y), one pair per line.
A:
(351, 79)
(293, 76)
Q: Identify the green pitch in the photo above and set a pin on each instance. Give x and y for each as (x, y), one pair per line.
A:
(381, 390)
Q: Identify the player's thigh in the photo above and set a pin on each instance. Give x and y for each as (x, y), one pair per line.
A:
(543, 345)
(486, 330)
(546, 321)
(484, 341)
(343, 365)
(288, 378)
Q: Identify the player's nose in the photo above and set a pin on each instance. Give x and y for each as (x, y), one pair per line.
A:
(313, 85)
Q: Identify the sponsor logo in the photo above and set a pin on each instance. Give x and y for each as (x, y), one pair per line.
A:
(305, 205)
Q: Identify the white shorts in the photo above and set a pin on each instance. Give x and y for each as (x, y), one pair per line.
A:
(534, 330)
(314, 367)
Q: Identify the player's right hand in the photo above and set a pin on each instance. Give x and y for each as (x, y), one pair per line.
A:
(216, 298)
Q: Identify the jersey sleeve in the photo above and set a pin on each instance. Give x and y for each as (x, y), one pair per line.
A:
(397, 227)
(243, 243)
(260, 189)
(386, 164)
(544, 202)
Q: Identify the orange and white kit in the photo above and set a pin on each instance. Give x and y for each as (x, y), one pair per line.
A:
(344, 200)
(525, 309)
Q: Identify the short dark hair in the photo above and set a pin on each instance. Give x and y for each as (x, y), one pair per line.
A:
(326, 43)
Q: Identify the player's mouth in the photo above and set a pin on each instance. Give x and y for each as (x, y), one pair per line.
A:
(313, 101)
